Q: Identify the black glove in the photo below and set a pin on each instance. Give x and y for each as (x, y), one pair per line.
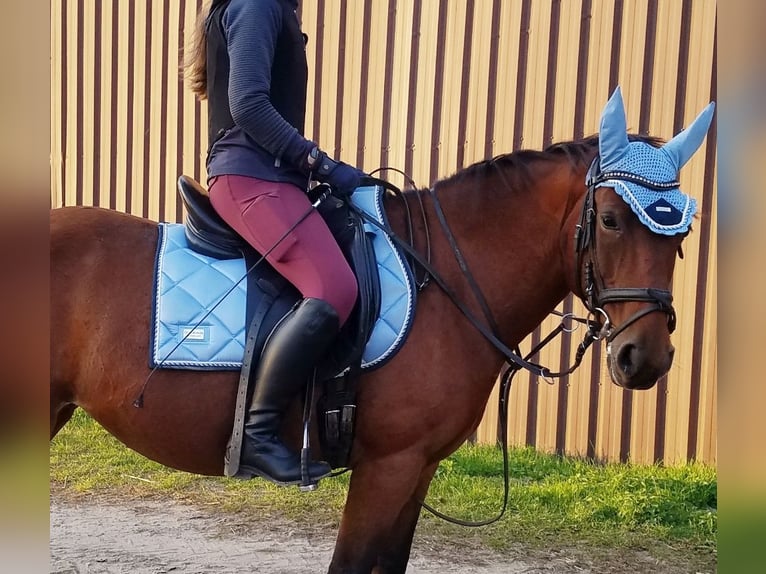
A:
(342, 177)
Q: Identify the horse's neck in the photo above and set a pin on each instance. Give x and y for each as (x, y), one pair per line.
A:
(512, 242)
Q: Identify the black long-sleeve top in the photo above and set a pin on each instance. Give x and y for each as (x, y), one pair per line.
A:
(266, 93)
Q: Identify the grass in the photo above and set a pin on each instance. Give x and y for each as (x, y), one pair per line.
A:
(571, 501)
(553, 500)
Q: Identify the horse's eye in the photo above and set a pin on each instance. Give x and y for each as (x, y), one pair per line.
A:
(609, 221)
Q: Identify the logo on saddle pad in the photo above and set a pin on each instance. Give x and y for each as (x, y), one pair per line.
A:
(645, 176)
(199, 304)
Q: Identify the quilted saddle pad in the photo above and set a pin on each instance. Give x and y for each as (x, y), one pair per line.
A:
(198, 312)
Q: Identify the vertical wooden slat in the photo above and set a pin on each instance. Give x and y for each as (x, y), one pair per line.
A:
(507, 20)
(137, 87)
(551, 73)
(489, 141)
(647, 74)
(599, 419)
(465, 82)
(201, 133)
(509, 65)
(96, 72)
(79, 118)
(59, 97)
(436, 114)
(388, 82)
(557, 423)
(571, 83)
(626, 422)
(667, 45)
(399, 31)
(541, 58)
(147, 128)
(521, 76)
(450, 51)
(340, 86)
(114, 97)
(413, 88)
(163, 119)
(361, 135)
(700, 314)
(179, 133)
(478, 137)
(574, 420)
(616, 51)
(318, 51)
(685, 279)
(130, 104)
(188, 103)
(518, 143)
(583, 62)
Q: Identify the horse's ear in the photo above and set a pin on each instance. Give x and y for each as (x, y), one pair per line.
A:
(683, 146)
(613, 133)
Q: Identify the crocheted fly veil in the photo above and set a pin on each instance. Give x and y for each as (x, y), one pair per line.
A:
(646, 177)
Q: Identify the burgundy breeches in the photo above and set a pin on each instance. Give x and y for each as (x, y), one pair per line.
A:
(309, 257)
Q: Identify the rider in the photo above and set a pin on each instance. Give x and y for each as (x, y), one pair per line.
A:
(249, 61)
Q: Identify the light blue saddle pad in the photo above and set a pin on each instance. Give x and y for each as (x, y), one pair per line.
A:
(199, 302)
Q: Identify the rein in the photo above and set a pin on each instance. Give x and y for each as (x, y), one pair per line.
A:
(512, 356)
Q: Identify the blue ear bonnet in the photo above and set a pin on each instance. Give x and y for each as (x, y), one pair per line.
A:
(644, 176)
(667, 211)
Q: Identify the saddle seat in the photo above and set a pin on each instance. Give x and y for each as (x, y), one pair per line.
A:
(206, 232)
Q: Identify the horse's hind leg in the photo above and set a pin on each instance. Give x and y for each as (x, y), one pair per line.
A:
(61, 411)
(61, 418)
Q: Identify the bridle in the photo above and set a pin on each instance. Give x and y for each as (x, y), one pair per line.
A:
(595, 295)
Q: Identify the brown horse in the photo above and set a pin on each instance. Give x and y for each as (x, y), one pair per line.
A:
(515, 220)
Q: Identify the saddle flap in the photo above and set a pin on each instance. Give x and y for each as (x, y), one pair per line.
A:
(205, 231)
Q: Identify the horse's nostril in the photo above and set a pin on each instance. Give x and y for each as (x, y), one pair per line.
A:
(625, 358)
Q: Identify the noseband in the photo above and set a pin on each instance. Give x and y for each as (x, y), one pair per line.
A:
(595, 295)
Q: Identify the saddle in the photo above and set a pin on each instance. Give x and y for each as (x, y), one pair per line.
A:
(270, 296)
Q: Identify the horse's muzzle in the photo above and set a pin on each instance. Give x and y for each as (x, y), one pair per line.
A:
(632, 367)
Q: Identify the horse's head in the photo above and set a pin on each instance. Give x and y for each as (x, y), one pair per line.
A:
(633, 220)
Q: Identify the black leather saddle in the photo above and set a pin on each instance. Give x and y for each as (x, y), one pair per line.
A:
(206, 232)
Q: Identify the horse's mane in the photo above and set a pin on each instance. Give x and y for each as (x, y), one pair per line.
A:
(576, 152)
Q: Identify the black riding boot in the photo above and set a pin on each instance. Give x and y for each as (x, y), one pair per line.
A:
(291, 353)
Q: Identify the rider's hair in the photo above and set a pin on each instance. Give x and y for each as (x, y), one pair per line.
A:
(195, 54)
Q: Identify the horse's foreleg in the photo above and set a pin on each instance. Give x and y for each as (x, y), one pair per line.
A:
(396, 556)
(378, 493)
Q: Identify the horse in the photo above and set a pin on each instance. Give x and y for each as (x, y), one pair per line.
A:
(531, 231)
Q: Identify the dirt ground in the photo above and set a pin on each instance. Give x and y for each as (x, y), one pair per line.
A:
(92, 536)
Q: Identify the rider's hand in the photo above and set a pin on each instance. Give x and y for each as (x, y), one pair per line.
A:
(343, 178)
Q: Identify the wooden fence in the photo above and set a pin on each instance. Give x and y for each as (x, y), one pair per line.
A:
(430, 86)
